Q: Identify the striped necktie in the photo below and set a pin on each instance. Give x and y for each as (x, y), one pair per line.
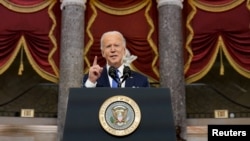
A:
(114, 83)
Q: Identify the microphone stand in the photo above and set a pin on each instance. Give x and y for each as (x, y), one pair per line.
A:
(119, 84)
(126, 74)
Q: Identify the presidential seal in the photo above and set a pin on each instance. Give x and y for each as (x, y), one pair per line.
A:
(119, 115)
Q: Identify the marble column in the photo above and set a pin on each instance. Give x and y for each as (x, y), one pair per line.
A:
(171, 58)
(71, 57)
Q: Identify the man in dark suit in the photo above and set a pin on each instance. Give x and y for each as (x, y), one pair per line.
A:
(113, 48)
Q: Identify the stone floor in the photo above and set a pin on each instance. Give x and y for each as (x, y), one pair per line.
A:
(45, 129)
(27, 129)
(197, 128)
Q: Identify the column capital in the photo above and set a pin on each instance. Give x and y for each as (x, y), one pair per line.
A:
(72, 2)
(170, 2)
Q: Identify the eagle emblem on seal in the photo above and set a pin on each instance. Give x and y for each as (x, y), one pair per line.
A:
(119, 115)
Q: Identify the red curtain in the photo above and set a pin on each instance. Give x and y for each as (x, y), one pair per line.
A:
(30, 27)
(136, 20)
(213, 28)
(216, 28)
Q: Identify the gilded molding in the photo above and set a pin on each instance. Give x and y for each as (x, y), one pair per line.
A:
(26, 9)
(72, 2)
(170, 2)
(217, 8)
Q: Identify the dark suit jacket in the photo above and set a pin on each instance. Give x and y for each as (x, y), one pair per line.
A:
(135, 80)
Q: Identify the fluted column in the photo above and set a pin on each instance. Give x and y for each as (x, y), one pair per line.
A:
(171, 58)
(71, 57)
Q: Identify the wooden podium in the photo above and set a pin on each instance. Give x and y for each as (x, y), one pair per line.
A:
(84, 104)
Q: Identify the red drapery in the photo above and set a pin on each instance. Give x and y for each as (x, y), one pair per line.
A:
(136, 19)
(213, 28)
(216, 28)
(30, 27)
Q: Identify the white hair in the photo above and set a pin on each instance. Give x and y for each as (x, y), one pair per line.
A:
(128, 58)
(112, 32)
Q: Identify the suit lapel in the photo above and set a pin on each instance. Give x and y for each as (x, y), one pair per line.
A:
(129, 81)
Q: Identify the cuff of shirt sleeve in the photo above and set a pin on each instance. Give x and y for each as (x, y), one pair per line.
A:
(89, 84)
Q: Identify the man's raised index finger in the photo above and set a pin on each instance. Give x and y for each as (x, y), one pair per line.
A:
(95, 61)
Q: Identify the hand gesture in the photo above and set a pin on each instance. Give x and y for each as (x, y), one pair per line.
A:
(94, 71)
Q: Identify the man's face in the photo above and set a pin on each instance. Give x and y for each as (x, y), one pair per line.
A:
(113, 49)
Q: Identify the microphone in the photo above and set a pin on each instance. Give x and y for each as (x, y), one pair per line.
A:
(126, 73)
(112, 73)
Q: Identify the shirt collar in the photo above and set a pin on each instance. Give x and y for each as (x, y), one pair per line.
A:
(120, 69)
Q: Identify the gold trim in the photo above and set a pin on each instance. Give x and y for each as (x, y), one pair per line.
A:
(118, 100)
(206, 69)
(91, 38)
(237, 67)
(33, 63)
(120, 11)
(93, 4)
(150, 40)
(220, 45)
(190, 36)
(53, 40)
(217, 8)
(26, 9)
(12, 58)
(22, 42)
(248, 4)
(221, 63)
(21, 67)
